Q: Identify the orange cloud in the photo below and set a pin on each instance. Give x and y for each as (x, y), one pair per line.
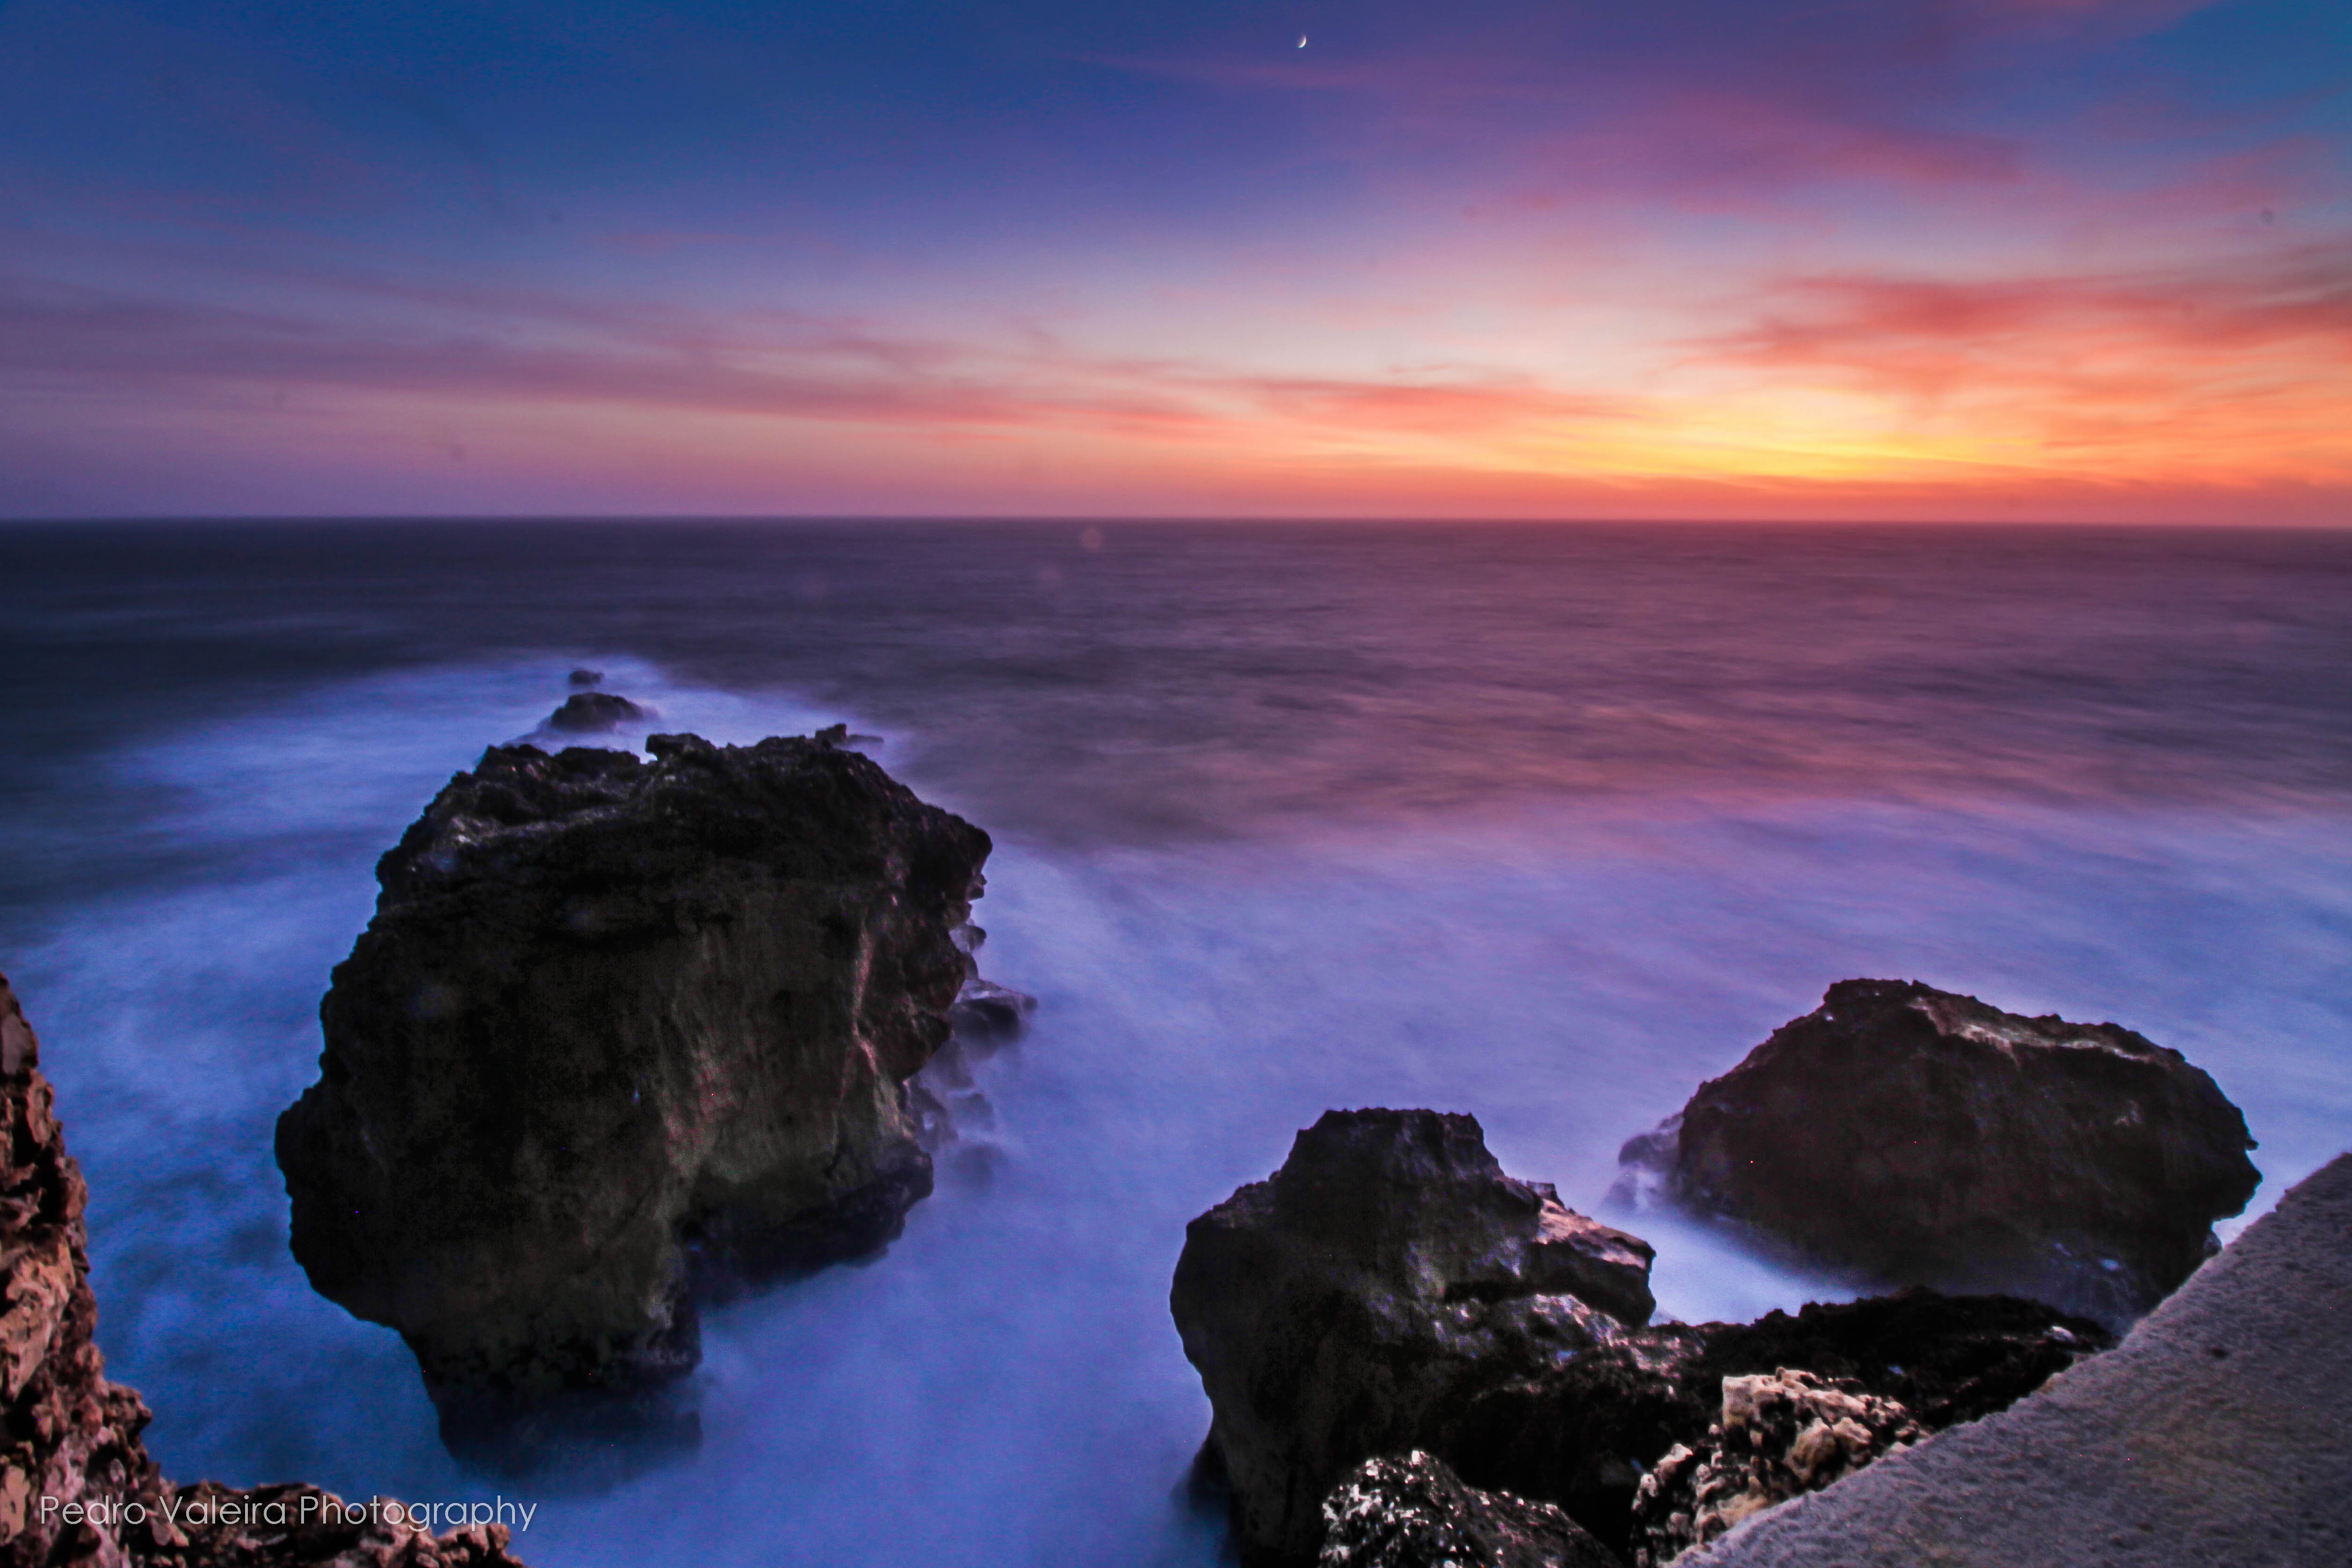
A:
(2187, 393)
(2218, 377)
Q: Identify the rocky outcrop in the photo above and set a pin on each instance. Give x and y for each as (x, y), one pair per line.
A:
(1911, 1136)
(77, 1486)
(620, 1030)
(1388, 1270)
(1779, 1435)
(596, 712)
(1390, 1290)
(1412, 1511)
(1582, 1434)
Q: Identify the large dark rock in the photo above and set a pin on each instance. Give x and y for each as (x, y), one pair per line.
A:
(620, 1030)
(1389, 1290)
(1382, 1275)
(1913, 1136)
(76, 1486)
(1412, 1511)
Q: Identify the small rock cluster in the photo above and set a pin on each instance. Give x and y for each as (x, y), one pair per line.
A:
(1410, 1354)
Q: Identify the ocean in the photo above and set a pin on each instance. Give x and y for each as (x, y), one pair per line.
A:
(1547, 824)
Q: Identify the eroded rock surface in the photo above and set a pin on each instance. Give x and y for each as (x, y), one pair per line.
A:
(1412, 1511)
(619, 1028)
(1388, 1271)
(1777, 1435)
(1916, 1136)
(77, 1486)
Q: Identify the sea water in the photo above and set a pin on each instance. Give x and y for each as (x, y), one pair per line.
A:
(1545, 824)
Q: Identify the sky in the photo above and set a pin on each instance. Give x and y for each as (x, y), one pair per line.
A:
(1846, 260)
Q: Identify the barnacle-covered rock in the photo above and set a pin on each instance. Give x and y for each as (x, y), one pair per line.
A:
(1412, 1511)
(1777, 1434)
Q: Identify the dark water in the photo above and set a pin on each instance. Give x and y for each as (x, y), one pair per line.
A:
(1546, 824)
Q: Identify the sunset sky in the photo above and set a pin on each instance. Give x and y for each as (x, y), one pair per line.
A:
(1721, 259)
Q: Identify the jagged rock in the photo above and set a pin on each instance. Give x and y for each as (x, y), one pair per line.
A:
(596, 712)
(1384, 1273)
(1414, 1513)
(1916, 1136)
(620, 1029)
(76, 1486)
(1779, 1434)
(1388, 1291)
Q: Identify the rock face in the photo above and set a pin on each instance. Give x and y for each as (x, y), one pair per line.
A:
(1389, 1290)
(620, 1030)
(1384, 1273)
(1780, 1434)
(1414, 1513)
(72, 1436)
(77, 1486)
(1915, 1136)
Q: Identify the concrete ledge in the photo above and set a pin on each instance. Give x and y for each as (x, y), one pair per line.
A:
(2217, 1434)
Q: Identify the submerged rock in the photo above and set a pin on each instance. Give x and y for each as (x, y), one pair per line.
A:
(1916, 1136)
(619, 1030)
(1414, 1513)
(1389, 1290)
(1779, 1435)
(1387, 1272)
(952, 1115)
(77, 1486)
(986, 1015)
(596, 712)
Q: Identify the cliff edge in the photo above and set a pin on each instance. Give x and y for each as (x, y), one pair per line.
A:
(76, 1486)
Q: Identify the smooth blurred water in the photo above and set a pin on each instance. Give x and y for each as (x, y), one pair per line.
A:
(1546, 825)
